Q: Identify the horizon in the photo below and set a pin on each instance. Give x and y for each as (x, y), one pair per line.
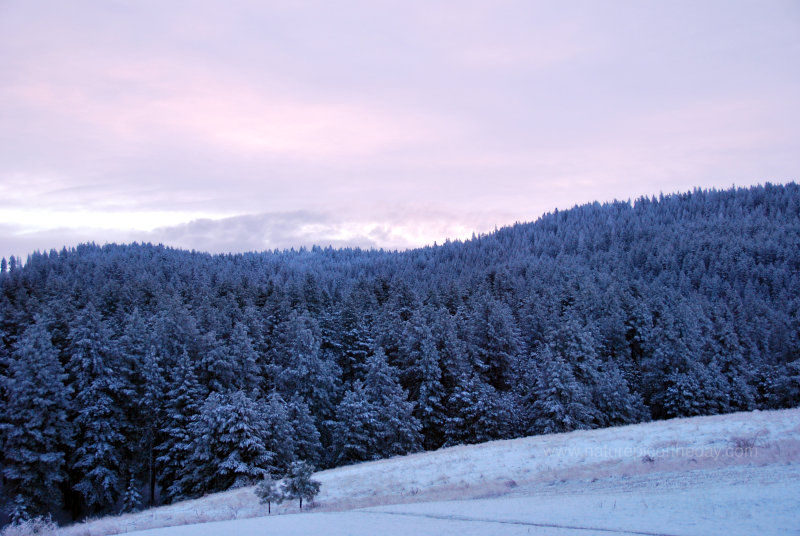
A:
(20, 261)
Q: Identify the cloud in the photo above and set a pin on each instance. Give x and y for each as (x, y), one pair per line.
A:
(257, 125)
(398, 230)
(394, 229)
(261, 232)
(223, 113)
(20, 242)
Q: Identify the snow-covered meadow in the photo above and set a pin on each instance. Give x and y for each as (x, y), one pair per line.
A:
(731, 474)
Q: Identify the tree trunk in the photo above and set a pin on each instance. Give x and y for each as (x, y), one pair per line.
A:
(152, 464)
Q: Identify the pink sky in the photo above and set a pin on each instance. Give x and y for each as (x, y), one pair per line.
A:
(248, 125)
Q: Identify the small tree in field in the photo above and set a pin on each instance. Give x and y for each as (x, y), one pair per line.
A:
(132, 500)
(268, 492)
(298, 483)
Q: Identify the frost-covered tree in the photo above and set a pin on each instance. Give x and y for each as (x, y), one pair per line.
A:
(477, 412)
(305, 435)
(430, 396)
(217, 371)
(578, 346)
(174, 330)
(241, 443)
(144, 393)
(560, 402)
(279, 434)
(267, 492)
(177, 444)
(613, 400)
(686, 392)
(229, 446)
(298, 483)
(354, 343)
(353, 428)
(726, 359)
(34, 425)
(396, 430)
(150, 417)
(422, 375)
(679, 382)
(301, 368)
(494, 340)
(244, 359)
(132, 499)
(96, 461)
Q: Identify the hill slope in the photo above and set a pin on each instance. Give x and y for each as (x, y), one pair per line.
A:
(733, 474)
(147, 370)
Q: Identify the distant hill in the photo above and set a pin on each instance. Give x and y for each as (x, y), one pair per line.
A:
(138, 374)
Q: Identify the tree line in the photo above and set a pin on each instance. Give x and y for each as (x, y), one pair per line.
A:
(135, 375)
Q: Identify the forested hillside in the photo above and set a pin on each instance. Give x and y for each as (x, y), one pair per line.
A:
(138, 374)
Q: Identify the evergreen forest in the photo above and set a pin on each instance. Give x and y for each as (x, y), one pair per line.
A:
(135, 375)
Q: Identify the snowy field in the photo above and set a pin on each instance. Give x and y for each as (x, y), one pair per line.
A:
(731, 475)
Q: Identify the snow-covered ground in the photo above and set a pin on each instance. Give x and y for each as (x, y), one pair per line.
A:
(732, 474)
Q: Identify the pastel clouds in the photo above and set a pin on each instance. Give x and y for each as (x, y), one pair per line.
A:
(148, 101)
(384, 124)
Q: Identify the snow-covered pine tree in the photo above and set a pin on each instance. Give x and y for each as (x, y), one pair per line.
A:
(216, 367)
(267, 492)
(560, 404)
(301, 368)
(306, 437)
(396, 429)
(151, 415)
(176, 445)
(242, 443)
(577, 345)
(174, 331)
(494, 340)
(686, 392)
(354, 340)
(229, 445)
(96, 461)
(728, 361)
(132, 499)
(145, 395)
(353, 429)
(278, 433)
(244, 359)
(424, 377)
(672, 351)
(476, 412)
(18, 510)
(34, 424)
(298, 483)
(614, 401)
